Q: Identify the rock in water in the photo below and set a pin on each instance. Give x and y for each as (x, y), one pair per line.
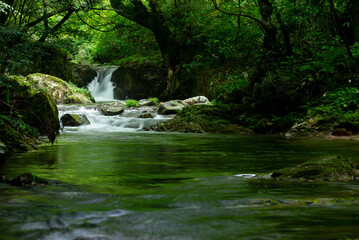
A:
(148, 102)
(198, 100)
(111, 109)
(326, 168)
(74, 120)
(28, 180)
(171, 107)
(146, 115)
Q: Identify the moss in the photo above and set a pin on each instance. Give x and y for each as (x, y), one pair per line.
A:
(59, 90)
(326, 168)
(203, 118)
(17, 140)
(24, 110)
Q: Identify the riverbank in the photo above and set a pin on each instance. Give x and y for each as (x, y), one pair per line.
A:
(28, 109)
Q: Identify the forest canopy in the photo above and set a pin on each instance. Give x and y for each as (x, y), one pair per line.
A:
(266, 46)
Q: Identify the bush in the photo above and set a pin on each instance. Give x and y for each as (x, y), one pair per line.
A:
(339, 106)
(154, 100)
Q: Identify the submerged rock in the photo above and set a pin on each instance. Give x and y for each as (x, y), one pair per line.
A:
(27, 180)
(111, 109)
(326, 168)
(171, 107)
(146, 115)
(74, 120)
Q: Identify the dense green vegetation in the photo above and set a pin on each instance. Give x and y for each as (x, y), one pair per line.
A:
(132, 103)
(276, 61)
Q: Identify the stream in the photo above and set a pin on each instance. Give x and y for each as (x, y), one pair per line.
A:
(111, 181)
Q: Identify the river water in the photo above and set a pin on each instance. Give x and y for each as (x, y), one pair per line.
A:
(145, 185)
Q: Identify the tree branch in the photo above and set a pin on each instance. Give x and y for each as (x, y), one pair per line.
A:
(236, 14)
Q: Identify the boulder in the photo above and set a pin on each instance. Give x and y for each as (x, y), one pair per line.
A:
(326, 168)
(171, 107)
(74, 120)
(60, 91)
(41, 112)
(34, 108)
(146, 115)
(198, 100)
(111, 109)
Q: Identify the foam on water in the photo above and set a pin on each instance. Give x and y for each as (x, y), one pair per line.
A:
(128, 121)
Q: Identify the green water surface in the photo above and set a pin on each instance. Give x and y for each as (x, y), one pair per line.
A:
(175, 186)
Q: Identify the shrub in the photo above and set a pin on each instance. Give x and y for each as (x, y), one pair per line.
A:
(154, 100)
(132, 103)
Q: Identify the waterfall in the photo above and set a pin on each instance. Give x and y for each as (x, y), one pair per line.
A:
(101, 86)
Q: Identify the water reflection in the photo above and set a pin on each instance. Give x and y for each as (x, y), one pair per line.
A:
(175, 186)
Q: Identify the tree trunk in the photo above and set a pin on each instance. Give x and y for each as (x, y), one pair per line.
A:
(270, 41)
(56, 27)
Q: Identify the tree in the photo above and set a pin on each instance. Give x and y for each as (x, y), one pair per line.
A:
(153, 18)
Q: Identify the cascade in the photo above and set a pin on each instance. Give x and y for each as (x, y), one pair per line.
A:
(101, 86)
(128, 121)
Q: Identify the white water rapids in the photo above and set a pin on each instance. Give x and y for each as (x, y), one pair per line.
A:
(128, 121)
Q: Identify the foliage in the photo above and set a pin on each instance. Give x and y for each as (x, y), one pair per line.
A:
(18, 124)
(274, 64)
(132, 103)
(339, 106)
(154, 100)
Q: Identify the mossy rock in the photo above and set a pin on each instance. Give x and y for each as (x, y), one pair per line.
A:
(202, 118)
(30, 111)
(60, 91)
(111, 109)
(74, 120)
(17, 140)
(41, 112)
(171, 107)
(326, 168)
(27, 180)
